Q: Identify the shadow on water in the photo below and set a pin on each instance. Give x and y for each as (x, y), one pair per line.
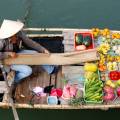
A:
(29, 114)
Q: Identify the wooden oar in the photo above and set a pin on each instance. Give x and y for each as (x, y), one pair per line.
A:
(8, 89)
(54, 58)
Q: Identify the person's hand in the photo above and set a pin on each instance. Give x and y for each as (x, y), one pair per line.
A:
(12, 54)
(46, 51)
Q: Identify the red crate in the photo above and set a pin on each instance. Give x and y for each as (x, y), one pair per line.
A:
(84, 34)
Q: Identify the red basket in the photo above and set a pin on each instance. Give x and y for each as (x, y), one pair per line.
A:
(84, 34)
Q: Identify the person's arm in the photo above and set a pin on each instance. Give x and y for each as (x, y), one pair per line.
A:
(32, 44)
(2, 55)
(5, 55)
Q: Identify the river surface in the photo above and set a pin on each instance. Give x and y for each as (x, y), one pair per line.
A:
(68, 14)
(63, 13)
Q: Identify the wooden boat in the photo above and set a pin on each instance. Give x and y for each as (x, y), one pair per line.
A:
(62, 54)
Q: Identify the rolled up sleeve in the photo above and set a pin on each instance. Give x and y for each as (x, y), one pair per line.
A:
(30, 43)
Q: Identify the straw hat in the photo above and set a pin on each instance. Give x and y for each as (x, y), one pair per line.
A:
(10, 28)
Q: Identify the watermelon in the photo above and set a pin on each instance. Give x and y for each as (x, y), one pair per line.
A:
(79, 39)
(87, 41)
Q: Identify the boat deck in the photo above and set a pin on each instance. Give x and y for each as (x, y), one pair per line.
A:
(39, 78)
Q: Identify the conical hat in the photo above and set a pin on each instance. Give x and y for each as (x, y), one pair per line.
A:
(10, 28)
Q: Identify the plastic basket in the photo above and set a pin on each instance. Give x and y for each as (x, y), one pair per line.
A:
(84, 34)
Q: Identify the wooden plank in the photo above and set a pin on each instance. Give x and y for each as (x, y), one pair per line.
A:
(39, 78)
(62, 29)
(39, 106)
(73, 74)
(3, 87)
(69, 36)
(44, 35)
(72, 70)
(55, 29)
(69, 48)
(5, 98)
(54, 58)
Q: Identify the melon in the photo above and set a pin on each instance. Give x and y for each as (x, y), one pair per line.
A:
(79, 39)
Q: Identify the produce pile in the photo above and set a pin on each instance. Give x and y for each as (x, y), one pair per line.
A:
(93, 85)
(108, 46)
(101, 79)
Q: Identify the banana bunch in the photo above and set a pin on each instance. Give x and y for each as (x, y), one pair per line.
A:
(117, 58)
(105, 32)
(115, 36)
(103, 48)
(102, 59)
(113, 58)
(112, 66)
(110, 58)
(89, 75)
(101, 64)
(95, 32)
(110, 83)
